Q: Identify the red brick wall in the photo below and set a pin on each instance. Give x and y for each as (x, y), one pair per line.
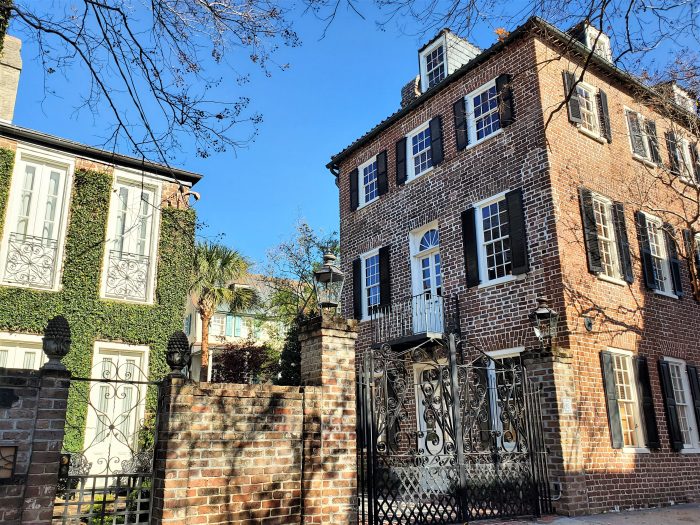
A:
(260, 453)
(34, 422)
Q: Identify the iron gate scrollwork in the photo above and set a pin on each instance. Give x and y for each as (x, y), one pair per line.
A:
(106, 469)
(442, 442)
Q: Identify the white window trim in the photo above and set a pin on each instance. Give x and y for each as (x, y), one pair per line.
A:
(471, 124)
(410, 170)
(639, 430)
(666, 258)
(414, 239)
(481, 253)
(683, 147)
(49, 156)
(695, 434)
(361, 185)
(157, 188)
(595, 136)
(608, 203)
(442, 41)
(13, 338)
(363, 259)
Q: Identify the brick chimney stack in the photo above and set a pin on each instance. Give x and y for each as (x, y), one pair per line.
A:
(10, 68)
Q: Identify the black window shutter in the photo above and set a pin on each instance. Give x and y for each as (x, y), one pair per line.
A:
(623, 244)
(436, 149)
(401, 161)
(354, 196)
(574, 106)
(693, 257)
(694, 380)
(674, 261)
(384, 277)
(518, 233)
(653, 140)
(606, 364)
(672, 152)
(674, 427)
(357, 288)
(471, 260)
(506, 109)
(460, 110)
(696, 161)
(604, 115)
(645, 251)
(646, 399)
(590, 231)
(382, 179)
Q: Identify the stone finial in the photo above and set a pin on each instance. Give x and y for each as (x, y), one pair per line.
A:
(178, 354)
(56, 342)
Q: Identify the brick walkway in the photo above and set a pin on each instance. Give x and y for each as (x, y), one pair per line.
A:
(675, 515)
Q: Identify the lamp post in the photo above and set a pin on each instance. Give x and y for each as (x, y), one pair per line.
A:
(328, 284)
(544, 321)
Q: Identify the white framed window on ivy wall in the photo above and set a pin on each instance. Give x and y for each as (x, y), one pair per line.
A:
(129, 266)
(35, 225)
(21, 351)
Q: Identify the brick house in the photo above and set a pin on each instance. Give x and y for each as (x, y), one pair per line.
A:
(506, 176)
(105, 240)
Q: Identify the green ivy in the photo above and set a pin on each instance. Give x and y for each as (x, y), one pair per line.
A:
(91, 318)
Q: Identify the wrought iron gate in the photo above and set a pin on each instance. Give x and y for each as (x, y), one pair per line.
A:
(443, 442)
(106, 470)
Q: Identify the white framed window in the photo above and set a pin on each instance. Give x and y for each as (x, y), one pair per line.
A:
(627, 400)
(483, 117)
(607, 242)
(660, 260)
(590, 120)
(368, 183)
(419, 155)
(502, 374)
(643, 139)
(684, 159)
(370, 283)
(493, 237)
(131, 249)
(117, 407)
(217, 328)
(21, 351)
(684, 403)
(433, 64)
(426, 272)
(36, 220)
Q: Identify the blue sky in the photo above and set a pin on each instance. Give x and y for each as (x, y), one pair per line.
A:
(336, 89)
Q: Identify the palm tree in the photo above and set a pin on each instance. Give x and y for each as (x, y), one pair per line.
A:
(216, 268)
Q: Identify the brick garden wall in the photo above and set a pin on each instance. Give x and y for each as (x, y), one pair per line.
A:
(32, 417)
(263, 454)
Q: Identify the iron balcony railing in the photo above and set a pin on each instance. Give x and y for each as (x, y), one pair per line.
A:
(422, 314)
(31, 261)
(127, 276)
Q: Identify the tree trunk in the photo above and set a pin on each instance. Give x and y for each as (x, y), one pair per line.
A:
(206, 319)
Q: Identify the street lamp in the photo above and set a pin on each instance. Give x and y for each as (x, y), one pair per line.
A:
(544, 320)
(328, 283)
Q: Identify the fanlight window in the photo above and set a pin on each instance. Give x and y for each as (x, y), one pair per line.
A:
(431, 239)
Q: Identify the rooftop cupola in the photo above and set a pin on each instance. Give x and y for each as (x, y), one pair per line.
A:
(593, 38)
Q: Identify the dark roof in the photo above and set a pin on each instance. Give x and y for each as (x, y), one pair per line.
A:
(12, 131)
(534, 23)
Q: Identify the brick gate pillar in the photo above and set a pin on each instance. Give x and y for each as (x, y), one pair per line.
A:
(329, 477)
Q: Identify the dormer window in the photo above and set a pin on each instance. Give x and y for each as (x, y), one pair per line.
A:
(683, 99)
(593, 38)
(435, 65)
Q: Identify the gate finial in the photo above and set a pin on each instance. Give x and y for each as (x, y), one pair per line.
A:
(56, 342)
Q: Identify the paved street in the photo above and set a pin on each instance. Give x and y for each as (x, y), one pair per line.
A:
(676, 515)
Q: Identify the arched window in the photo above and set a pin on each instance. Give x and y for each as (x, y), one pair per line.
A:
(430, 239)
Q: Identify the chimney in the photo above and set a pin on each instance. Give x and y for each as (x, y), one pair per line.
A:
(10, 67)
(410, 92)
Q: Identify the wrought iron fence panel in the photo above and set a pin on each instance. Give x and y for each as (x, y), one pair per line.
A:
(442, 442)
(106, 470)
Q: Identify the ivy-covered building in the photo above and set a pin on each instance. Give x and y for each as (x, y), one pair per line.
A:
(104, 239)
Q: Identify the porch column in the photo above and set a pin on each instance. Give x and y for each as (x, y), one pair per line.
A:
(329, 477)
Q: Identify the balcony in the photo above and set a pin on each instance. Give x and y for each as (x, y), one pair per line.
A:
(127, 276)
(31, 261)
(408, 322)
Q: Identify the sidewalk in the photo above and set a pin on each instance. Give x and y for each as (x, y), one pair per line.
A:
(675, 515)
